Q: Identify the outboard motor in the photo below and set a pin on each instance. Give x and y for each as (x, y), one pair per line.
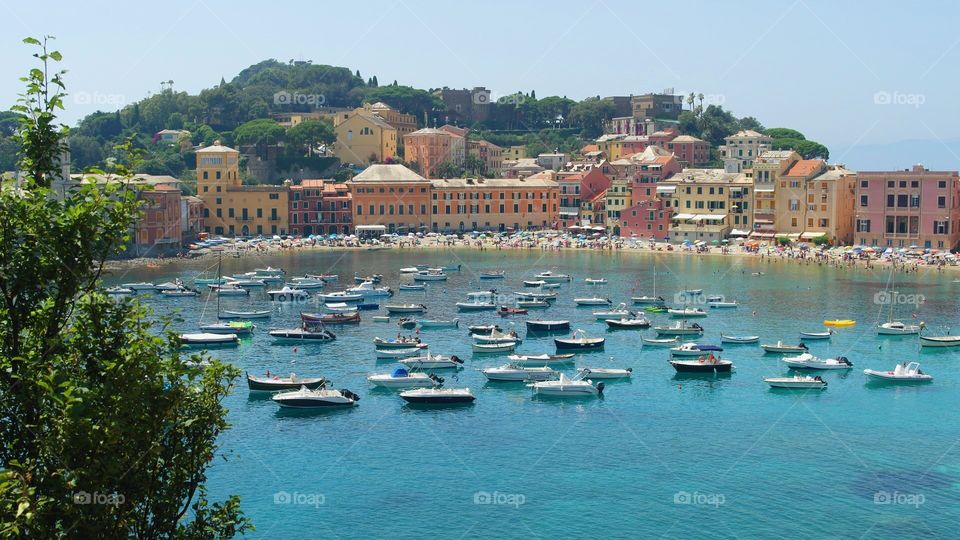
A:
(600, 387)
(456, 359)
(349, 395)
(843, 360)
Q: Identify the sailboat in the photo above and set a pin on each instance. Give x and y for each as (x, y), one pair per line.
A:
(894, 327)
(646, 299)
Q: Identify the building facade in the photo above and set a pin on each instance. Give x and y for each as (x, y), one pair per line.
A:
(391, 196)
(648, 218)
(741, 148)
(320, 207)
(497, 204)
(365, 138)
(429, 147)
(708, 204)
(489, 154)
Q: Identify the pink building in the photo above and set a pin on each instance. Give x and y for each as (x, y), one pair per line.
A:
(691, 151)
(645, 219)
(319, 207)
(899, 209)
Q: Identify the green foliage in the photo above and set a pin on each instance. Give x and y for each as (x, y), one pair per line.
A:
(448, 170)
(807, 149)
(821, 240)
(107, 430)
(783, 241)
(402, 98)
(309, 134)
(590, 114)
(784, 133)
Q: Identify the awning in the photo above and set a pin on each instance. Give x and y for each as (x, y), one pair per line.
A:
(767, 221)
(763, 190)
(813, 234)
(739, 232)
(712, 217)
(666, 189)
(761, 235)
(361, 228)
(684, 216)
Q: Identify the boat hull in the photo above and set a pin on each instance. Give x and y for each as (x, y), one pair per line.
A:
(940, 341)
(697, 367)
(545, 326)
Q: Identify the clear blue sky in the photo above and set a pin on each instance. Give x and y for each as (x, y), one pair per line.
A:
(813, 65)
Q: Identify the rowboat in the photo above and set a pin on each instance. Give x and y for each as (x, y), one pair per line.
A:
(579, 340)
(547, 297)
(606, 373)
(493, 348)
(550, 277)
(636, 323)
(540, 359)
(268, 271)
(809, 361)
(433, 361)
(544, 326)
(660, 342)
(738, 339)
(208, 340)
(265, 314)
(340, 296)
(483, 328)
(429, 275)
(305, 334)
(503, 311)
(439, 324)
(780, 347)
(679, 328)
(330, 318)
(618, 312)
(178, 293)
(496, 337)
(903, 373)
(229, 290)
(797, 382)
(493, 274)
(324, 277)
(592, 281)
(396, 343)
(368, 306)
(839, 322)
(276, 382)
(534, 283)
(240, 328)
(448, 268)
(388, 354)
(475, 306)
(694, 349)
(517, 372)
(304, 283)
(939, 341)
(438, 396)
(412, 287)
(406, 308)
(592, 301)
(816, 335)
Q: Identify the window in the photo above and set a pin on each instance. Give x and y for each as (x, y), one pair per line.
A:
(902, 201)
(259, 213)
(218, 175)
(205, 177)
(891, 200)
(274, 196)
(864, 184)
(942, 184)
(863, 225)
(230, 212)
(941, 227)
(914, 200)
(941, 202)
(891, 183)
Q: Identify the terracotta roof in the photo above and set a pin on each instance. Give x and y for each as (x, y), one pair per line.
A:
(589, 148)
(686, 138)
(493, 183)
(307, 183)
(454, 130)
(387, 173)
(805, 167)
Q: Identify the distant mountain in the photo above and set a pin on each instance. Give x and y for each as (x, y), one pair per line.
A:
(932, 153)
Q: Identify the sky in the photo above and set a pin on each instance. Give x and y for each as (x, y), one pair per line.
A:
(874, 81)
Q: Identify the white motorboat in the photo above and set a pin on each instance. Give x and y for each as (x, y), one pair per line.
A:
(547, 297)
(646, 300)
(623, 322)
(120, 291)
(208, 340)
(493, 274)
(302, 335)
(809, 361)
(738, 339)
(304, 398)
(534, 283)
(606, 373)
(797, 382)
(340, 307)
(168, 286)
(939, 341)
(494, 348)
(397, 343)
(598, 281)
(412, 287)
(781, 347)
(687, 312)
(238, 328)
(405, 308)
(719, 302)
(438, 396)
(550, 277)
(340, 296)
(273, 383)
(898, 328)
(439, 324)
(227, 314)
(404, 378)
(386, 354)
(816, 335)
(429, 275)
(679, 328)
(532, 304)
(307, 284)
(230, 290)
(496, 337)
(368, 289)
(433, 361)
(691, 349)
(287, 294)
(540, 359)
(691, 292)
(903, 373)
(269, 271)
(660, 342)
(410, 270)
(246, 283)
(323, 277)
(592, 301)
(619, 312)
(476, 306)
(517, 372)
(564, 386)
(179, 293)
(139, 286)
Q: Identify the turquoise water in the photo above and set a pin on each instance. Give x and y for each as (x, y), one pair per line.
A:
(658, 455)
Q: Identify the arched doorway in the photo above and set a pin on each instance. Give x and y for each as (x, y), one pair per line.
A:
(245, 231)
(307, 230)
(346, 229)
(616, 230)
(320, 230)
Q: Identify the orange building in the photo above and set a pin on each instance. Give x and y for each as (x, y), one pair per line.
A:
(390, 198)
(429, 147)
(494, 204)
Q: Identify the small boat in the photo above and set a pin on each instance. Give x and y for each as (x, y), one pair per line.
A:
(687, 312)
(438, 396)
(301, 283)
(540, 359)
(496, 337)
(625, 323)
(606, 373)
(341, 307)
(269, 271)
(305, 398)
(579, 340)
(659, 308)
(903, 373)
(367, 289)
(939, 341)
(387, 354)
(401, 377)
(679, 328)
(276, 382)
(647, 300)
(406, 308)
(476, 306)
(532, 304)
(433, 361)
(492, 274)
(408, 323)
(330, 318)
(240, 328)
(548, 326)
(703, 364)
(780, 347)
(719, 302)
(809, 361)
(483, 328)
(738, 339)
(517, 372)
(550, 277)
(396, 343)
(547, 297)
(576, 386)
(592, 301)
(325, 277)
(898, 328)
(660, 342)
(494, 348)
(179, 293)
(197, 282)
(167, 286)
(449, 268)
(455, 323)
(286, 294)
(376, 278)
(368, 306)
(410, 270)
(429, 275)
(119, 291)
(534, 283)
(208, 340)
(380, 318)
(230, 290)
(340, 296)
(504, 311)
(839, 322)
(694, 349)
(412, 287)
(619, 312)
(304, 334)
(797, 382)
(592, 281)
(691, 292)
(265, 314)
(816, 335)
(245, 283)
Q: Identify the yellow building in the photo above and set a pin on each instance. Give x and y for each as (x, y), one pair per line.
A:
(815, 200)
(514, 153)
(363, 139)
(231, 208)
(618, 199)
(768, 167)
(403, 123)
(708, 204)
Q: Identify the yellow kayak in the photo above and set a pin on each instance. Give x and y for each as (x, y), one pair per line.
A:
(839, 322)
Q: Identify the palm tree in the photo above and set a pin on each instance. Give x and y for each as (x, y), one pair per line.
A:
(700, 97)
(690, 99)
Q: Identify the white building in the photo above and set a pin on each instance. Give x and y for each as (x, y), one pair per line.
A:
(741, 148)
